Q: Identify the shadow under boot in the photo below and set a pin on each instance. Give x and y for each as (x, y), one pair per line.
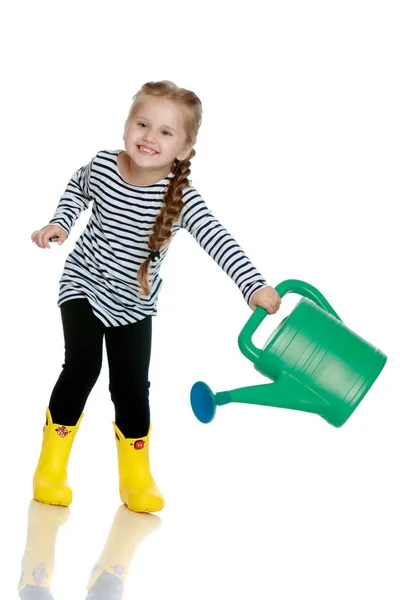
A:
(136, 485)
(111, 570)
(38, 560)
(50, 481)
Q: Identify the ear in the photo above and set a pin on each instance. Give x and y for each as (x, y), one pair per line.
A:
(185, 152)
(125, 129)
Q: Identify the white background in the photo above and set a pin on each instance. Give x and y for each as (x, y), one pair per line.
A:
(298, 157)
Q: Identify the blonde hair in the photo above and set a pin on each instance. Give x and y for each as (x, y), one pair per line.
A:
(173, 202)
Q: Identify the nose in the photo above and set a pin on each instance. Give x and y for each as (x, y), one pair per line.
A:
(148, 135)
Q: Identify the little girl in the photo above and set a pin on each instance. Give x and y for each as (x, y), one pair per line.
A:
(110, 284)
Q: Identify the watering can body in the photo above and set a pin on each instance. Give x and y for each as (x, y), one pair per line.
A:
(316, 363)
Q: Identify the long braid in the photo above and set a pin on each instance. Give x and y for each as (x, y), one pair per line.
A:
(173, 202)
(169, 213)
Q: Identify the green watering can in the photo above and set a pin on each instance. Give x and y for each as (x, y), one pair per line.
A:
(316, 363)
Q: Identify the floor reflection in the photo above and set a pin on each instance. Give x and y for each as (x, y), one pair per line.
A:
(107, 579)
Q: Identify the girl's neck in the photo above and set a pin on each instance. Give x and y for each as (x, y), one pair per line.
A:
(137, 176)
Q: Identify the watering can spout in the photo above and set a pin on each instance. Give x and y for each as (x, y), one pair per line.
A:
(286, 392)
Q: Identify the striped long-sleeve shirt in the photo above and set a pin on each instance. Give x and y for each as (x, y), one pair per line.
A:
(104, 263)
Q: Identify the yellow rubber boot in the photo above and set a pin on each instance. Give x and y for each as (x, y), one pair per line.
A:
(110, 573)
(38, 560)
(137, 488)
(50, 482)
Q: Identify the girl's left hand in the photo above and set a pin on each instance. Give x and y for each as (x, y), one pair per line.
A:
(268, 298)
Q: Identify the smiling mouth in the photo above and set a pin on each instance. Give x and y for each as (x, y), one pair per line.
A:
(147, 151)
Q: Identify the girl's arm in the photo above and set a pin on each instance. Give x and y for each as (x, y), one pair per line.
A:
(198, 220)
(75, 199)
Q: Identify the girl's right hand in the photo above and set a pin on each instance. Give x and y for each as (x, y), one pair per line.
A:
(41, 238)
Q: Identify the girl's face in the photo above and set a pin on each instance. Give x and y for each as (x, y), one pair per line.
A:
(155, 136)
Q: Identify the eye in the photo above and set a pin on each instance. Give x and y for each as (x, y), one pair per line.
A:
(140, 124)
(167, 132)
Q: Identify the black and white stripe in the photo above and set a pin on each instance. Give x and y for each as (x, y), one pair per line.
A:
(104, 263)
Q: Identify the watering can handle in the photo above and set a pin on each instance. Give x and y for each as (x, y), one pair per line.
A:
(294, 286)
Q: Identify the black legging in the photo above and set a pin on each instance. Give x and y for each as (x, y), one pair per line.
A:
(128, 352)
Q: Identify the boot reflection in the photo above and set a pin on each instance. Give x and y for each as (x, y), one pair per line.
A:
(111, 570)
(38, 560)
